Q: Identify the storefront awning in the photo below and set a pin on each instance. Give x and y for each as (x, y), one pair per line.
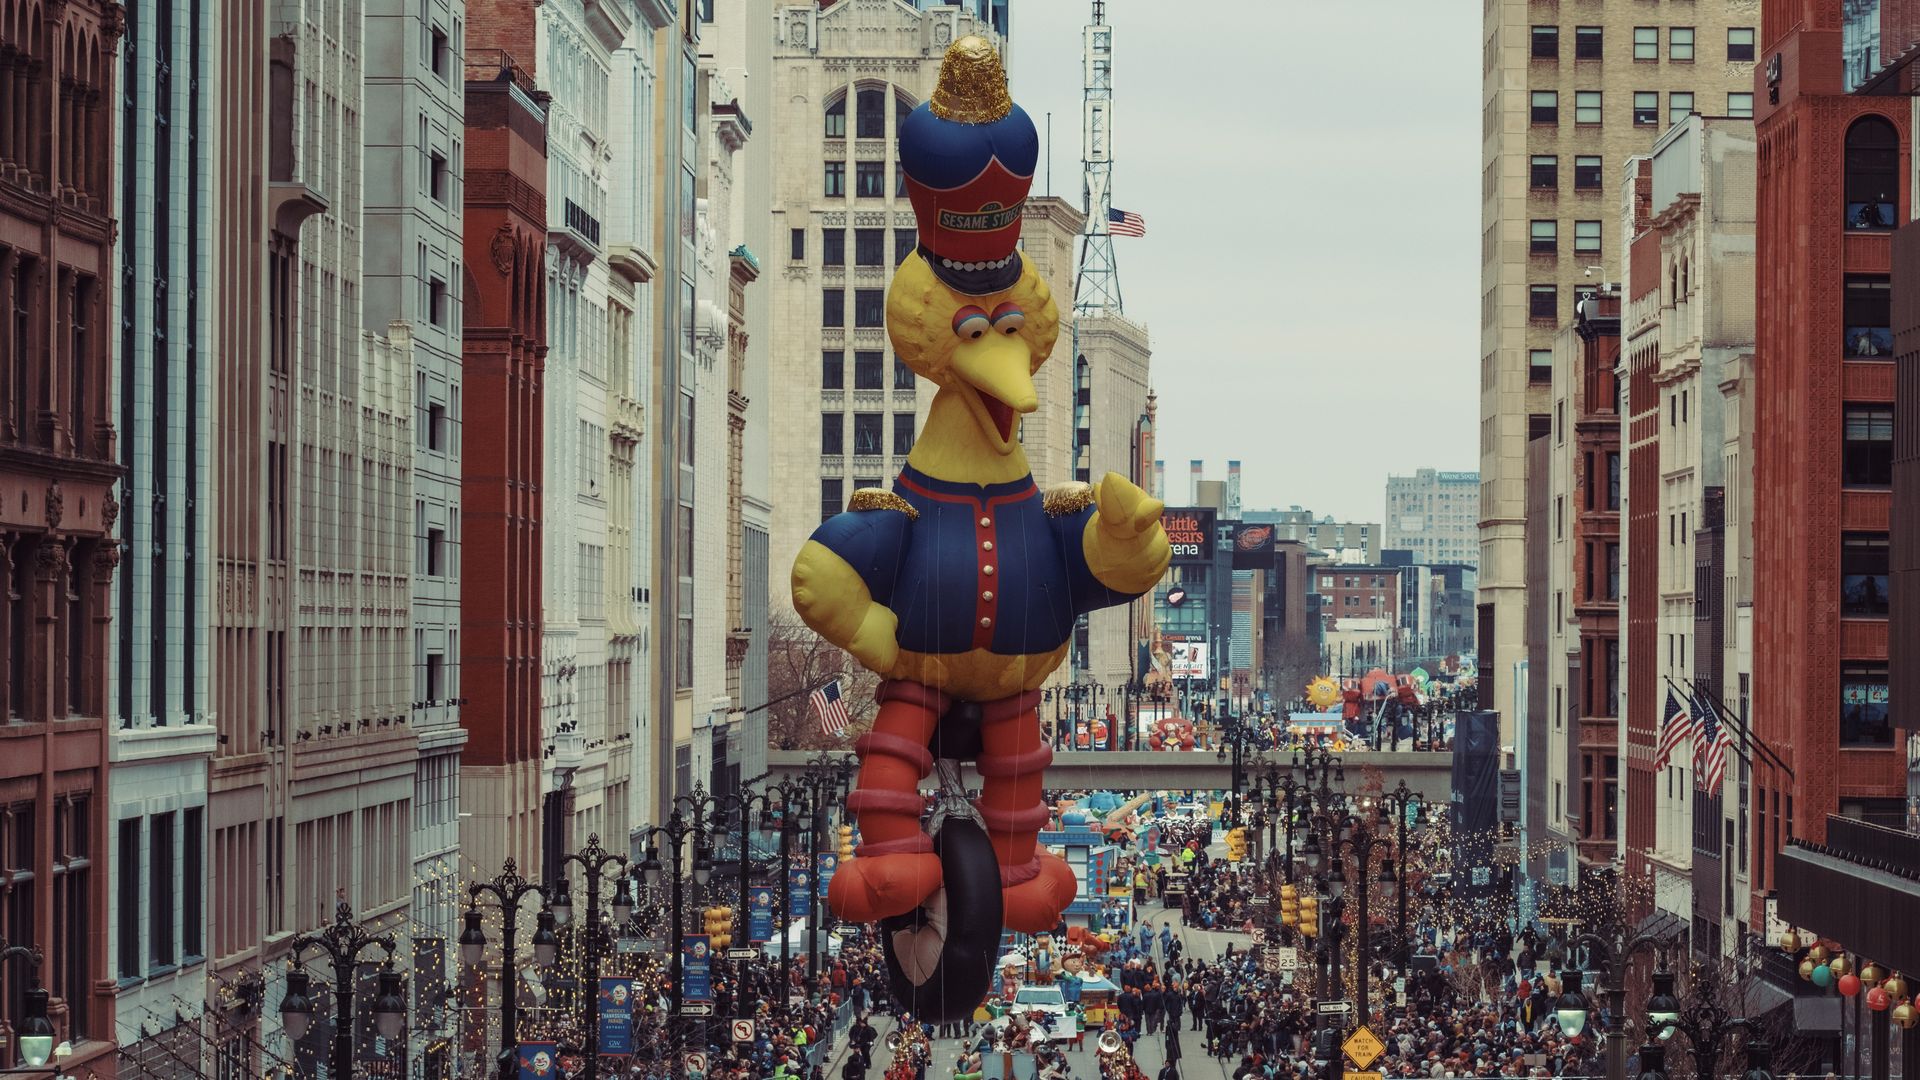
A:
(1861, 898)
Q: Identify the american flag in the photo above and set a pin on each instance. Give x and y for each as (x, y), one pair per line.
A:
(1125, 223)
(1710, 752)
(829, 708)
(1675, 727)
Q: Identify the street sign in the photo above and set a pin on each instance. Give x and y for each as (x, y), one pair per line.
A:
(1286, 958)
(696, 1008)
(1259, 901)
(1333, 1008)
(1363, 1046)
(697, 1062)
(742, 953)
(743, 1031)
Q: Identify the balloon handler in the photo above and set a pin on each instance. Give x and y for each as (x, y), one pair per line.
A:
(961, 587)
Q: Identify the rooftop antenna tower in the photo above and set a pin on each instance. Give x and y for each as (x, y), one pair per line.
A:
(1097, 288)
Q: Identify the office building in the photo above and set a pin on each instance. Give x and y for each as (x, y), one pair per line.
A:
(1435, 515)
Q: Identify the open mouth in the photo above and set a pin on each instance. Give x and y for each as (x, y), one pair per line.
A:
(1001, 414)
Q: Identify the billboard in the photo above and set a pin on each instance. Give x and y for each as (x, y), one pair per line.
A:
(1189, 659)
(1190, 531)
(1253, 546)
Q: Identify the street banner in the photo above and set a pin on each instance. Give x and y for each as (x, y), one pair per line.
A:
(760, 914)
(538, 1061)
(616, 1016)
(696, 968)
(823, 870)
(1253, 546)
(799, 894)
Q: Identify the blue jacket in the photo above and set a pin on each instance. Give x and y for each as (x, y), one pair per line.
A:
(980, 567)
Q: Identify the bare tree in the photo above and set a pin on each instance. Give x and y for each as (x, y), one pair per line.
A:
(799, 660)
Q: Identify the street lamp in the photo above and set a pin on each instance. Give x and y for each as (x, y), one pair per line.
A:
(1707, 1024)
(1663, 1010)
(1571, 1009)
(35, 1038)
(593, 861)
(1613, 983)
(676, 832)
(343, 942)
(509, 888)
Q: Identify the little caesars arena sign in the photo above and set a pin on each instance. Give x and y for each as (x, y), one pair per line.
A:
(1190, 531)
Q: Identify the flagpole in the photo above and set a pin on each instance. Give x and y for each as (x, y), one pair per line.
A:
(1740, 728)
(835, 677)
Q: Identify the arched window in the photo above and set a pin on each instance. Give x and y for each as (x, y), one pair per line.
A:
(837, 118)
(903, 107)
(871, 118)
(1873, 159)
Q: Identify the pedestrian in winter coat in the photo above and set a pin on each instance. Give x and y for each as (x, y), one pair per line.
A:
(1154, 1006)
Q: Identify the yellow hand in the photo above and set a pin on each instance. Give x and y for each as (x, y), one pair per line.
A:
(1126, 547)
(830, 596)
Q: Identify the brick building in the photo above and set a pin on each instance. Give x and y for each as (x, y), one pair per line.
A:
(1831, 187)
(503, 361)
(57, 511)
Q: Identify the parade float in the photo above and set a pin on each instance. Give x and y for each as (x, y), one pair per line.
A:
(961, 586)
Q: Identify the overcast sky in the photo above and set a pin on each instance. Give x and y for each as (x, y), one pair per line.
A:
(1309, 172)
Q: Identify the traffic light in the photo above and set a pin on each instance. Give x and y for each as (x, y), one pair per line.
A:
(1310, 915)
(1236, 844)
(719, 927)
(846, 842)
(1289, 906)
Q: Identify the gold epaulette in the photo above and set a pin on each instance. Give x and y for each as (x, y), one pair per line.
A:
(881, 499)
(1067, 499)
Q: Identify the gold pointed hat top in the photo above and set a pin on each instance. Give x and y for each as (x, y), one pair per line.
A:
(973, 84)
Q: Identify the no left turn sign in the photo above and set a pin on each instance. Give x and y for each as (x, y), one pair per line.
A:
(743, 1031)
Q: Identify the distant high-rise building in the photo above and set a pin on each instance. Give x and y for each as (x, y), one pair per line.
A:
(1352, 541)
(1569, 95)
(1435, 515)
(1233, 491)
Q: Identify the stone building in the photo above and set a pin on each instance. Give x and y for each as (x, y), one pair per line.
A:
(1435, 515)
(1567, 96)
(58, 512)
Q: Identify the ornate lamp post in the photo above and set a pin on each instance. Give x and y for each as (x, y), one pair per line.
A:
(677, 831)
(343, 942)
(1396, 804)
(1615, 956)
(743, 804)
(509, 888)
(593, 861)
(34, 1039)
(1707, 1025)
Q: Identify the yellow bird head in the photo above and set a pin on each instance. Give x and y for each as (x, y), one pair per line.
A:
(983, 348)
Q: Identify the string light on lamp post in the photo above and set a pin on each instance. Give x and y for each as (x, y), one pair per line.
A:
(509, 888)
(343, 942)
(594, 938)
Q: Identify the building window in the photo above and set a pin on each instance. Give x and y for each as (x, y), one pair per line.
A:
(870, 179)
(1646, 43)
(1586, 107)
(131, 966)
(837, 119)
(1864, 705)
(160, 891)
(833, 247)
(438, 179)
(869, 307)
(869, 370)
(1613, 572)
(1863, 574)
(1740, 106)
(1867, 456)
(1541, 302)
(835, 179)
(797, 245)
(833, 307)
(436, 302)
(1546, 171)
(1586, 237)
(1680, 43)
(1868, 316)
(1646, 107)
(1586, 173)
(1546, 43)
(833, 370)
(832, 429)
(902, 375)
(1873, 159)
(831, 498)
(1543, 237)
(436, 432)
(902, 434)
(904, 241)
(1740, 43)
(869, 247)
(1546, 107)
(1613, 480)
(1679, 107)
(870, 114)
(1539, 365)
(192, 880)
(437, 52)
(867, 433)
(1587, 42)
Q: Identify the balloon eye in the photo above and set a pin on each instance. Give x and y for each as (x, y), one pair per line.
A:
(1009, 319)
(970, 323)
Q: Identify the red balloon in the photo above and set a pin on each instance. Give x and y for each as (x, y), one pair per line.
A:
(1878, 999)
(1849, 984)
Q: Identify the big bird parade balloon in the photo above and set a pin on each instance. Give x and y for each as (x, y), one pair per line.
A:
(962, 585)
